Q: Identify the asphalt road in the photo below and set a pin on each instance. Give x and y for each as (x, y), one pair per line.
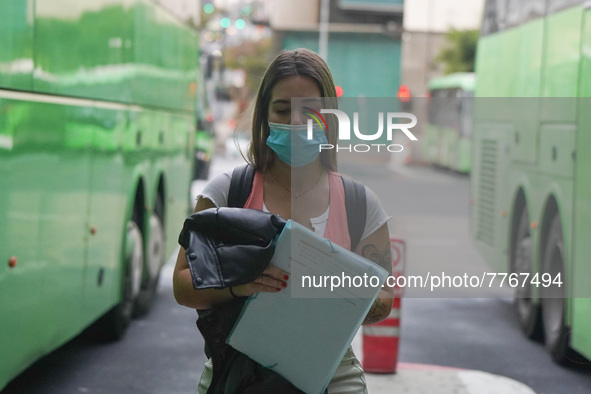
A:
(162, 353)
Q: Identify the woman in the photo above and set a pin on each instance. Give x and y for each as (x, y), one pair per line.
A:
(295, 182)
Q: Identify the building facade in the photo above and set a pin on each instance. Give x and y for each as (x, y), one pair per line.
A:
(363, 41)
(425, 24)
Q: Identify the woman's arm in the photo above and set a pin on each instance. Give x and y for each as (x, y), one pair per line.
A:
(376, 248)
(272, 280)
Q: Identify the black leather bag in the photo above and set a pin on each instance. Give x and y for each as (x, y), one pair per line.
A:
(230, 247)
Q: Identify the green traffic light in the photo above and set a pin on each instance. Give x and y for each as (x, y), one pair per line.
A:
(208, 8)
(225, 22)
(240, 24)
(246, 10)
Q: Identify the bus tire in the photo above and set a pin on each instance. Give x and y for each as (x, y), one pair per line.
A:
(528, 311)
(112, 326)
(153, 263)
(557, 334)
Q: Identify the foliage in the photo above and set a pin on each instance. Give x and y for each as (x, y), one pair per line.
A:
(253, 57)
(460, 53)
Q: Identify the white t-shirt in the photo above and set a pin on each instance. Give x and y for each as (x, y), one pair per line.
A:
(217, 190)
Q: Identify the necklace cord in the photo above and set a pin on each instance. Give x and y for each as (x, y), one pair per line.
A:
(274, 178)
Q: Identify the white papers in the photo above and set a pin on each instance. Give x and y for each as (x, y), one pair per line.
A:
(304, 339)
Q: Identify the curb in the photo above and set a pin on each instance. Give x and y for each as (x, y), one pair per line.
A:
(413, 378)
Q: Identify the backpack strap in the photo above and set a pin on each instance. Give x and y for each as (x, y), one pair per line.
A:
(356, 206)
(355, 199)
(240, 186)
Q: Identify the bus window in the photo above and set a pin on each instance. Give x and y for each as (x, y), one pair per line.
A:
(466, 115)
(522, 11)
(558, 5)
(495, 12)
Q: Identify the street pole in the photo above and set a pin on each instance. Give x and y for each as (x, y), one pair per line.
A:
(428, 62)
(323, 28)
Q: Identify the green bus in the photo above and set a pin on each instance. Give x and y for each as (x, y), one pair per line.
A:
(448, 133)
(97, 127)
(205, 133)
(531, 190)
(204, 148)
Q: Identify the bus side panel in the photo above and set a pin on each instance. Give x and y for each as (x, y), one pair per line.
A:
(581, 325)
(449, 153)
(164, 58)
(16, 36)
(75, 60)
(179, 204)
(134, 53)
(528, 62)
(44, 189)
(490, 188)
(562, 54)
(159, 145)
(443, 138)
(526, 85)
(464, 160)
(509, 64)
(486, 65)
(558, 136)
(562, 58)
(521, 47)
(542, 136)
(430, 142)
(498, 80)
(112, 188)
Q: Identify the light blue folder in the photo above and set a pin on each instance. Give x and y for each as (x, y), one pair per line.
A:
(304, 339)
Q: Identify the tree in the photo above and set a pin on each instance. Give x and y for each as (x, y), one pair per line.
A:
(253, 57)
(460, 53)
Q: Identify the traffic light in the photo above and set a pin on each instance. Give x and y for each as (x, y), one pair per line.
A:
(404, 93)
(225, 22)
(405, 98)
(208, 8)
(240, 24)
(246, 10)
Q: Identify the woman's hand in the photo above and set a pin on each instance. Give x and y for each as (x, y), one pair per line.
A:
(271, 281)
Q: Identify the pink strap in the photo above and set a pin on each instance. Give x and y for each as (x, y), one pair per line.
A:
(337, 228)
(255, 200)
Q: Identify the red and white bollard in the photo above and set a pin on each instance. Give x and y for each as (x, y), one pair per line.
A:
(380, 340)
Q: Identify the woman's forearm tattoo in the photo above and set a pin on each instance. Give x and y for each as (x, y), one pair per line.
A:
(379, 309)
(382, 257)
(377, 312)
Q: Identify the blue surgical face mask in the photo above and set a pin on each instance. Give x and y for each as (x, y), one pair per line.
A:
(290, 143)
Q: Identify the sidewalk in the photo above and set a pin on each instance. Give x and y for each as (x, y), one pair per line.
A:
(433, 379)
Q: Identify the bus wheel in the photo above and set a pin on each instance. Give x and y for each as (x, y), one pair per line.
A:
(528, 310)
(557, 335)
(112, 326)
(154, 260)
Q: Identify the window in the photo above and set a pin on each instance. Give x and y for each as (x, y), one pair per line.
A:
(494, 16)
(559, 5)
(504, 14)
(523, 11)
